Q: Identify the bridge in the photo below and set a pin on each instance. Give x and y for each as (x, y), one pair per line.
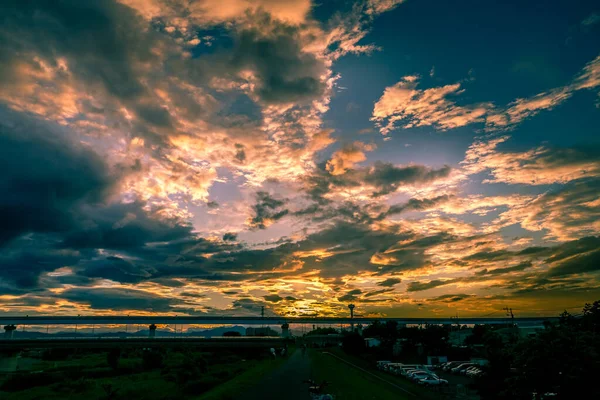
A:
(137, 342)
(31, 320)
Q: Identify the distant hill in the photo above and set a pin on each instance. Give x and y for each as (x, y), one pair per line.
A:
(219, 331)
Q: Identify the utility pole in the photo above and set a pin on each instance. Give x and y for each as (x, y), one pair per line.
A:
(509, 313)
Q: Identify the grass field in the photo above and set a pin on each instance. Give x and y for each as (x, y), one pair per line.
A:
(231, 389)
(419, 391)
(349, 383)
(181, 374)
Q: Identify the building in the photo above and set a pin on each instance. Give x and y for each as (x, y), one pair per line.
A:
(264, 331)
(372, 342)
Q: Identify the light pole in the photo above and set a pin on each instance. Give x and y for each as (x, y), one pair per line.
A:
(351, 307)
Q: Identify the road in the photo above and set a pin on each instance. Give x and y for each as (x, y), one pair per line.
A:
(284, 382)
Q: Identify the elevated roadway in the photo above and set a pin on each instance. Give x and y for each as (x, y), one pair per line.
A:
(230, 320)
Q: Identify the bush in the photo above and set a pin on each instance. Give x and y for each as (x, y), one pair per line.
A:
(19, 382)
(112, 358)
(199, 386)
(152, 359)
(56, 354)
(353, 343)
(183, 368)
(72, 386)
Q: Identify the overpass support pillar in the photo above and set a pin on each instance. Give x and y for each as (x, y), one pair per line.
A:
(8, 331)
(152, 331)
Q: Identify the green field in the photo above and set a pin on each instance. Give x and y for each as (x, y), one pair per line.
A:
(173, 374)
(350, 383)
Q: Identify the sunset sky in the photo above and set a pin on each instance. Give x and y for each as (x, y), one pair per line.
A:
(415, 158)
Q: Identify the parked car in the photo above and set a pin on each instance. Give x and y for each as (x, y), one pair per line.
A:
(470, 369)
(417, 376)
(432, 381)
(451, 364)
(414, 369)
(382, 364)
(457, 370)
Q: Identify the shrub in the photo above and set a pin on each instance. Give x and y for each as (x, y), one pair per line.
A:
(19, 382)
(112, 358)
(199, 386)
(152, 359)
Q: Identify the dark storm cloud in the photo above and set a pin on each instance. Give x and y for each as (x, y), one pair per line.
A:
(378, 292)
(417, 205)
(499, 271)
(273, 51)
(490, 255)
(45, 178)
(266, 210)
(579, 264)
(119, 299)
(124, 226)
(451, 298)
(273, 298)
(383, 177)
(116, 269)
(420, 286)
(387, 178)
(573, 248)
(350, 296)
(23, 260)
(230, 237)
(389, 282)
(100, 39)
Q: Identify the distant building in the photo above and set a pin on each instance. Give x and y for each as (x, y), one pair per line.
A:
(285, 330)
(264, 331)
(435, 360)
(372, 342)
(333, 339)
(457, 338)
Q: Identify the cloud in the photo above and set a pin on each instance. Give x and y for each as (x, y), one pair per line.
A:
(539, 166)
(350, 295)
(590, 20)
(273, 298)
(451, 298)
(405, 105)
(389, 282)
(564, 213)
(266, 211)
(376, 180)
(217, 12)
(47, 178)
(118, 299)
(345, 158)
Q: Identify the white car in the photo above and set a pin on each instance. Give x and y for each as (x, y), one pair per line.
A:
(417, 376)
(432, 381)
(381, 364)
(409, 372)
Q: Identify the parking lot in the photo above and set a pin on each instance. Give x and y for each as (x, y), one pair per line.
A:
(448, 384)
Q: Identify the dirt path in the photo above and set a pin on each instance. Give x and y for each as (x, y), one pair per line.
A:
(285, 382)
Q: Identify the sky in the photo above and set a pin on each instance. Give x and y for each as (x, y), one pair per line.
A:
(191, 157)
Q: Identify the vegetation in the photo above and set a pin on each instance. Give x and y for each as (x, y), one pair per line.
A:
(349, 383)
(563, 359)
(149, 374)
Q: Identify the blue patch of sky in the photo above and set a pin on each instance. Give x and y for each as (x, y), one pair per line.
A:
(513, 49)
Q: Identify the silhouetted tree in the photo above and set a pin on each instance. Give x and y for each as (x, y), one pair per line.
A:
(112, 358)
(353, 343)
(564, 359)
